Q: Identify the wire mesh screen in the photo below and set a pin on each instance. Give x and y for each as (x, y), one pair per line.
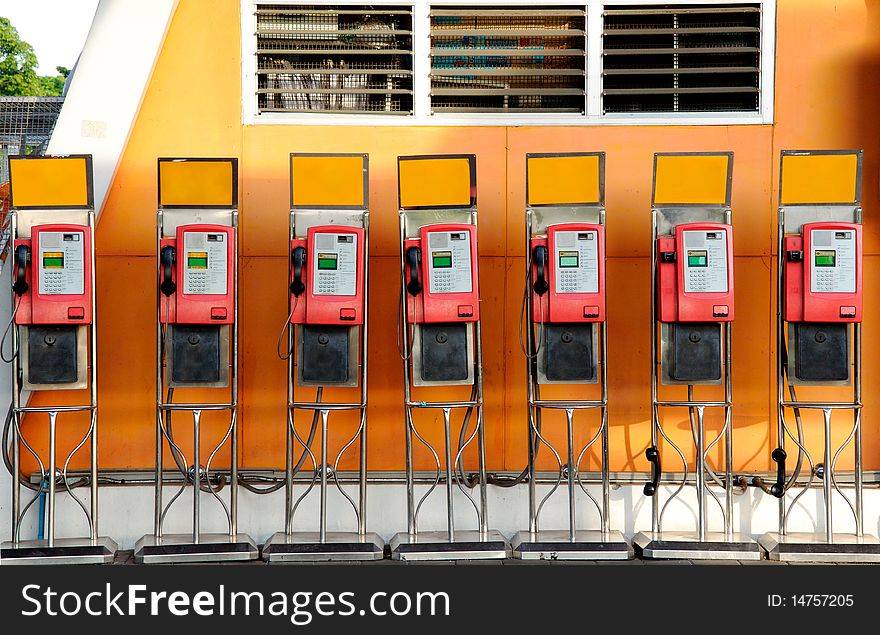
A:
(681, 58)
(26, 124)
(334, 58)
(508, 59)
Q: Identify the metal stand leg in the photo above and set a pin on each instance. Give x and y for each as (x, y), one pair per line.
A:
(450, 511)
(571, 467)
(701, 476)
(323, 511)
(196, 474)
(52, 472)
(826, 477)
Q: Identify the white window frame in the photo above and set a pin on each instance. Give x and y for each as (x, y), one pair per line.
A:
(422, 65)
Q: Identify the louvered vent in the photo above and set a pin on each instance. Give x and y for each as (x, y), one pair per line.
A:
(334, 58)
(508, 59)
(677, 58)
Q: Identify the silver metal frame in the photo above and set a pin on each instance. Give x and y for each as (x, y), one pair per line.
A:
(573, 544)
(451, 544)
(196, 546)
(290, 545)
(700, 544)
(86, 550)
(825, 546)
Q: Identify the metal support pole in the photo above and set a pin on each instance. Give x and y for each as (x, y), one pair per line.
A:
(701, 475)
(197, 473)
(450, 512)
(362, 484)
(572, 511)
(606, 477)
(404, 336)
(533, 519)
(857, 415)
(50, 498)
(288, 473)
(728, 435)
(655, 499)
(481, 430)
(826, 476)
(93, 397)
(780, 348)
(160, 364)
(323, 529)
(16, 415)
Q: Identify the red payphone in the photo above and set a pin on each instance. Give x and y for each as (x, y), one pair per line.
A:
(326, 301)
(53, 282)
(568, 296)
(694, 295)
(327, 276)
(444, 255)
(823, 293)
(197, 297)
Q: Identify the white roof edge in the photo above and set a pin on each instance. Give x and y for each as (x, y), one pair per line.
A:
(109, 84)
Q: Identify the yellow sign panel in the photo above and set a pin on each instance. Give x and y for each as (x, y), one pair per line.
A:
(819, 178)
(195, 182)
(49, 182)
(689, 179)
(327, 181)
(564, 180)
(435, 182)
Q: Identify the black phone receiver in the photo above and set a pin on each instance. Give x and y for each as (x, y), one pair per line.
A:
(168, 256)
(541, 285)
(413, 260)
(22, 258)
(297, 287)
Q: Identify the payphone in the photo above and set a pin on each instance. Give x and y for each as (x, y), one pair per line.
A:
(819, 342)
(196, 350)
(692, 309)
(823, 296)
(566, 343)
(440, 344)
(52, 285)
(442, 299)
(326, 301)
(326, 328)
(694, 297)
(568, 298)
(53, 328)
(197, 303)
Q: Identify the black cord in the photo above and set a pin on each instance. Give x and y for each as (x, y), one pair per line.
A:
(302, 457)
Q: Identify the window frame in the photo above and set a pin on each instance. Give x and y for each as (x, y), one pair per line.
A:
(421, 74)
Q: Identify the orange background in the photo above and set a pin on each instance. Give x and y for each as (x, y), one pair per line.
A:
(827, 90)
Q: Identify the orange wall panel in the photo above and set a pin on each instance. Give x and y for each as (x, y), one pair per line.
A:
(826, 96)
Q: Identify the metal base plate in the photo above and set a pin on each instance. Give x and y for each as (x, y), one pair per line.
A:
(806, 547)
(685, 545)
(306, 546)
(65, 551)
(435, 545)
(174, 548)
(556, 545)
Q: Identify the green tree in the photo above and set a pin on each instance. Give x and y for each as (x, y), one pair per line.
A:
(18, 64)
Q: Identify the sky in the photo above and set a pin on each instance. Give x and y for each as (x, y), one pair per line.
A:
(57, 29)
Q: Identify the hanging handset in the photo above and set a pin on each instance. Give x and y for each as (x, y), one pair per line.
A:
(297, 286)
(541, 285)
(414, 261)
(168, 256)
(778, 488)
(22, 259)
(653, 456)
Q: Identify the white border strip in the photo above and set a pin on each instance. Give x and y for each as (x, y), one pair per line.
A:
(108, 85)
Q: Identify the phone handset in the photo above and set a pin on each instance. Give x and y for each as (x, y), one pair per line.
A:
(414, 261)
(22, 259)
(297, 287)
(168, 256)
(541, 285)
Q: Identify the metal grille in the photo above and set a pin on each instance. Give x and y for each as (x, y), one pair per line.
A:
(508, 59)
(26, 124)
(334, 58)
(681, 58)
